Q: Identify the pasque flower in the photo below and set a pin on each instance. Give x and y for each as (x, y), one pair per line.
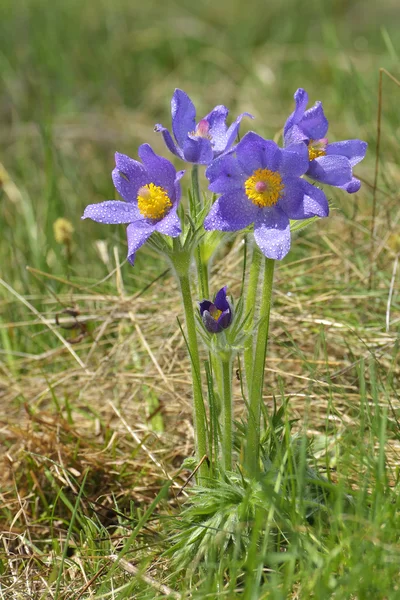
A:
(329, 163)
(261, 183)
(151, 193)
(216, 315)
(198, 142)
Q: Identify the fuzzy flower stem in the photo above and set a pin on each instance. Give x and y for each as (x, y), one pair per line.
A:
(251, 295)
(202, 266)
(198, 402)
(256, 387)
(226, 363)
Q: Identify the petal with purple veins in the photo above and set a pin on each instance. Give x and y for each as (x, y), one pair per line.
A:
(170, 224)
(224, 320)
(112, 212)
(198, 150)
(231, 212)
(314, 122)
(295, 160)
(183, 116)
(353, 186)
(254, 152)
(272, 233)
(204, 305)
(291, 201)
(301, 100)
(354, 150)
(160, 170)
(225, 174)
(172, 147)
(128, 176)
(210, 323)
(333, 170)
(220, 300)
(137, 234)
(232, 132)
(217, 122)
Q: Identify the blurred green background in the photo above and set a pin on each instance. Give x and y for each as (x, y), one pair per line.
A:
(83, 78)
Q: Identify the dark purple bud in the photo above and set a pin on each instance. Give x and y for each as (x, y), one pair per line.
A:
(216, 315)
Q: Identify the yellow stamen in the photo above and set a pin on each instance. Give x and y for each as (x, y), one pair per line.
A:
(316, 148)
(153, 201)
(264, 187)
(215, 313)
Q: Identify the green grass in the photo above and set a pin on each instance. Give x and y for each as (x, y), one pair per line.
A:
(77, 486)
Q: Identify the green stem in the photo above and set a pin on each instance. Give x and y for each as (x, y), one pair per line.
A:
(251, 295)
(202, 267)
(257, 381)
(227, 413)
(200, 419)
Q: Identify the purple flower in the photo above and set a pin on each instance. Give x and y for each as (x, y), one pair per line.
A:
(198, 142)
(216, 315)
(329, 163)
(151, 192)
(261, 183)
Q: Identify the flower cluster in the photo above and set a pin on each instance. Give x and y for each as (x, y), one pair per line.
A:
(257, 181)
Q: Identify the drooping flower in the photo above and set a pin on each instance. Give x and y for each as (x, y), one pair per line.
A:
(329, 163)
(261, 183)
(216, 315)
(198, 142)
(151, 193)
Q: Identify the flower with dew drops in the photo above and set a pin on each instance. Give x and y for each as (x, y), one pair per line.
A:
(261, 183)
(330, 163)
(151, 193)
(216, 315)
(199, 142)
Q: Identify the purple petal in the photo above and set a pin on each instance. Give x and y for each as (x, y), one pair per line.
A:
(204, 305)
(210, 323)
(198, 150)
(220, 300)
(315, 203)
(354, 150)
(291, 203)
(128, 176)
(178, 189)
(217, 121)
(183, 116)
(301, 100)
(314, 123)
(170, 224)
(161, 171)
(295, 160)
(232, 132)
(333, 170)
(254, 152)
(353, 186)
(225, 174)
(112, 212)
(137, 233)
(231, 212)
(272, 233)
(172, 147)
(224, 320)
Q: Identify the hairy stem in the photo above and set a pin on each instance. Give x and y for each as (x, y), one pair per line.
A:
(227, 441)
(251, 295)
(257, 381)
(200, 419)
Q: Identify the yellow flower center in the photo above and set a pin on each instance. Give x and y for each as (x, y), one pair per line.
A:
(215, 312)
(317, 148)
(153, 201)
(264, 187)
